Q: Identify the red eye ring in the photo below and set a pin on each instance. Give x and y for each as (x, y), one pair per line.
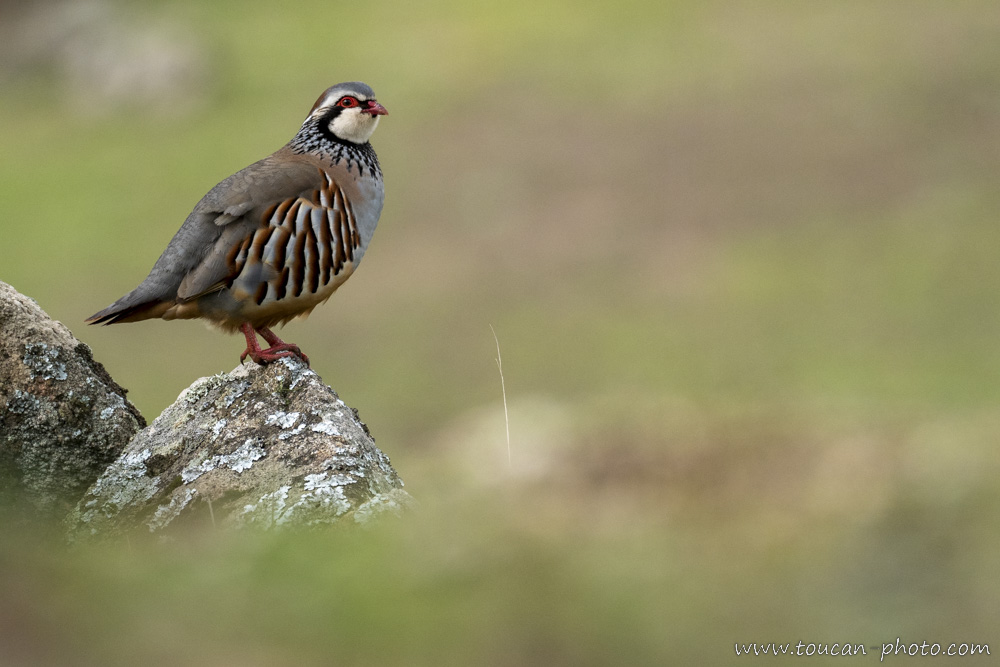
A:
(347, 102)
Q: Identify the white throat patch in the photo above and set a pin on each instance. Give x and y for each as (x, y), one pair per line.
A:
(353, 125)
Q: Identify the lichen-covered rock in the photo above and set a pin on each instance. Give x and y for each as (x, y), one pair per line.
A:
(260, 446)
(62, 418)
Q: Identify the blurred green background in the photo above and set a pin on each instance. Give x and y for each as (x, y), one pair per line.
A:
(740, 259)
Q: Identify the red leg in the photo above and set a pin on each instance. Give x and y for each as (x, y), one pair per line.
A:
(253, 349)
(278, 349)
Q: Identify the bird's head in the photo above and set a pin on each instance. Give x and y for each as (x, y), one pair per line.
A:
(348, 112)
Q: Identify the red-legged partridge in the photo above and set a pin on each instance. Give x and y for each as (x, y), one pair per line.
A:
(276, 239)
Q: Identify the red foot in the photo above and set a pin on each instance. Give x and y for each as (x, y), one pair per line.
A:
(278, 349)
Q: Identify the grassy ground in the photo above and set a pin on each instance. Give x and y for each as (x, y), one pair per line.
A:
(741, 263)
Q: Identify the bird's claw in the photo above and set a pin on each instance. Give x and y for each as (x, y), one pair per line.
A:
(271, 354)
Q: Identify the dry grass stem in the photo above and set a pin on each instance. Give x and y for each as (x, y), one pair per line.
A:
(503, 389)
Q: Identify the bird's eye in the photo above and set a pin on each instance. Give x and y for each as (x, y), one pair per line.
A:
(347, 102)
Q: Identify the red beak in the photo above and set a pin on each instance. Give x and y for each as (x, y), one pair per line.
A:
(373, 108)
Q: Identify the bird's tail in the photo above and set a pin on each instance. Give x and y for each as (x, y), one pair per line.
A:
(130, 308)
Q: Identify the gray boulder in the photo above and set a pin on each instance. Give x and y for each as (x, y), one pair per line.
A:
(62, 418)
(263, 447)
